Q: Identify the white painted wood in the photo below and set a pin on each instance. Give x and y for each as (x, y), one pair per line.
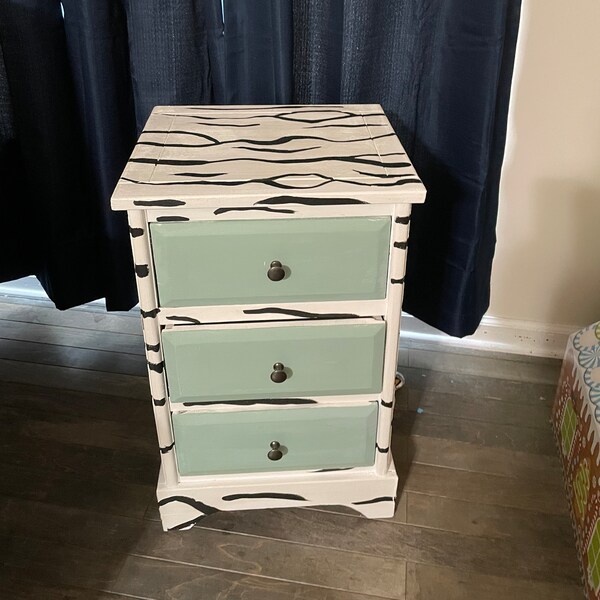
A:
(284, 325)
(395, 291)
(299, 210)
(278, 311)
(190, 165)
(224, 406)
(201, 157)
(362, 490)
(140, 243)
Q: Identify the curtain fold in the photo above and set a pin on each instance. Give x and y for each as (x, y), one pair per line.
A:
(82, 77)
(48, 200)
(168, 54)
(257, 52)
(441, 69)
(98, 59)
(76, 91)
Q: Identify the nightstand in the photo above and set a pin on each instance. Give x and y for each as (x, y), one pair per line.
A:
(270, 246)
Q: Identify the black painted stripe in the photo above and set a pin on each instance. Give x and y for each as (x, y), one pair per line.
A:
(276, 150)
(284, 116)
(383, 154)
(196, 162)
(167, 202)
(168, 218)
(286, 211)
(382, 450)
(280, 141)
(153, 348)
(397, 280)
(341, 116)
(149, 314)
(159, 401)
(271, 401)
(338, 469)
(183, 132)
(136, 232)
(273, 182)
(387, 404)
(296, 109)
(214, 124)
(264, 107)
(349, 125)
(298, 313)
(381, 184)
(375, 500)
(274, 495)
(167, 448)
(204, 174)
(186, 319)
(403, 220)
(401, 245)
(176, 145)
(270, 181)
(197, 504)
(156, 367)
(142, 270)
(310, 201)
(187, 524)
(384, 175)
(207, 118)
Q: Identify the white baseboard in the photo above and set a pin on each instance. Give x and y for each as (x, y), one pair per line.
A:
(497, 335)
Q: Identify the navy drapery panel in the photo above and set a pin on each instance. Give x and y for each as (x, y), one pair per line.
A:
(442, 70)
(74, 93)
(79, 90)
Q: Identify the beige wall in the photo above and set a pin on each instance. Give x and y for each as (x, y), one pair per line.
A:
(547, 265)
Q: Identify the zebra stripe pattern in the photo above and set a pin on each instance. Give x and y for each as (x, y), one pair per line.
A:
(283, 156)
(270, 163)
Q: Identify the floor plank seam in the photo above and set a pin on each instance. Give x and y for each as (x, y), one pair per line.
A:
(468, 420)
(269, 577)
(76, 347)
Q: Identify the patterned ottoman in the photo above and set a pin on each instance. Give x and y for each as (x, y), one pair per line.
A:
(576, 423)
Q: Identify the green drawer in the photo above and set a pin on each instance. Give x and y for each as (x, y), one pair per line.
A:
(329, 358)
(226, 262)
(309, 438)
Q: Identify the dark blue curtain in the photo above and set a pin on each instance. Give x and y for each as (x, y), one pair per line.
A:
(75, 91)
(442, 71)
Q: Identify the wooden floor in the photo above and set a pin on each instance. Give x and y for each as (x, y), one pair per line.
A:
(482, 513)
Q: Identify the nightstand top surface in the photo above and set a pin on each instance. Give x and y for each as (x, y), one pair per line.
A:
(212, 156)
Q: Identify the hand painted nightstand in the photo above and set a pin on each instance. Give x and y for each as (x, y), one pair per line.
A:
(270, 246)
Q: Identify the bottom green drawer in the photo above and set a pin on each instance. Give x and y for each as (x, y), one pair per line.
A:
(308, 438)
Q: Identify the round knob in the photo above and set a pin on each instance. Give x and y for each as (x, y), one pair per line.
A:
(276, 272)
(275, 453)
(278, 375)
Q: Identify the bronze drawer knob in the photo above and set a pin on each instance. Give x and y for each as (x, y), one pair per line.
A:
(276, 271)
(275, 453)
(278, 375)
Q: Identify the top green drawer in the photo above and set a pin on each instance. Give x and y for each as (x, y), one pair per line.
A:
(226, 262)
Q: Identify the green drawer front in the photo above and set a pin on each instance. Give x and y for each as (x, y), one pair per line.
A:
(235, 364)
(310, 438)
(226, 262)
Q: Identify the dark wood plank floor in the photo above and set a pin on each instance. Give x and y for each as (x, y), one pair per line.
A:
(482, 513)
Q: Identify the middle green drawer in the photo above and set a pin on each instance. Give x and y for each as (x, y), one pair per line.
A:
(236, 363)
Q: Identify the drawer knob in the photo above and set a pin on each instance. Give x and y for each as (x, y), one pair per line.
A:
(275, 453)
(276, 272)
(278, 375)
